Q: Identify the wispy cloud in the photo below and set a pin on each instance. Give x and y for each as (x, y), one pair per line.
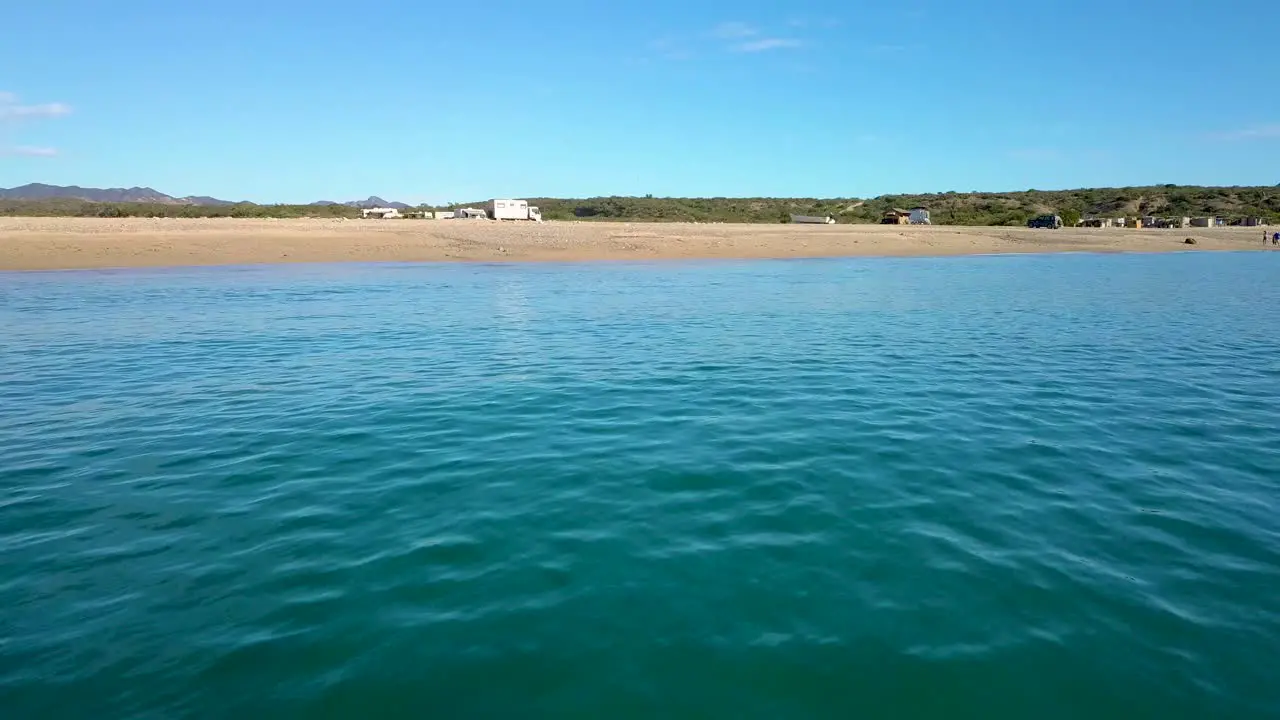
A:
(745, 38)
(12, 109)
(28, 151)
(734, 30)
(1257, 132)
(766, 44)
(14, 113)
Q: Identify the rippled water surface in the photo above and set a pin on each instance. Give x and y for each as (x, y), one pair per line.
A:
(989, 487)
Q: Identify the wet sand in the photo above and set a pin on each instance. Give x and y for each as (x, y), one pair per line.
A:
(66, 243)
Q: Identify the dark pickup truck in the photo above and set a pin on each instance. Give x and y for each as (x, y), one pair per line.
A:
(1048, 222)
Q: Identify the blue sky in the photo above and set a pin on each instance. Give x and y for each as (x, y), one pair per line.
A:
(289, 101)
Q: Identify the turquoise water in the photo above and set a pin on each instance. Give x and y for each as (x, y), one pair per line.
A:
(1000, 487)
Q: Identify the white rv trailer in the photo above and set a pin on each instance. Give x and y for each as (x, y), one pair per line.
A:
(502, 209)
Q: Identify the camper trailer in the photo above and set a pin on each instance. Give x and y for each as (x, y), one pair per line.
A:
(512, 210)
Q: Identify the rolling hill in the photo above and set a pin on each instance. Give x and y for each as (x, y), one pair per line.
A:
(148, 196)
(40, 191)
(950, 208)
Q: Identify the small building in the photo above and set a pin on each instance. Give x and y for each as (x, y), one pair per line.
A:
(919, 216)
(380, 213)
(470, 214)
(896, 216)
(1204, 222)
(1253, 222)
(1097, 223)
(813, 219)
(1135, 223)
(444, 214)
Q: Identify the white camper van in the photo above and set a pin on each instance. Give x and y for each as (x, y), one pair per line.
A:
(512, 210)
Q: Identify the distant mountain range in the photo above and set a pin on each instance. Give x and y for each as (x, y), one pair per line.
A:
(373, 202)
(40, 191)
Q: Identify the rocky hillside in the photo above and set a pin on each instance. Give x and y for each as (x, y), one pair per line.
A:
(1010, 208)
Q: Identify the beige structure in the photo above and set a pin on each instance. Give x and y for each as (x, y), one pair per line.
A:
(380, 213)
(896, 216)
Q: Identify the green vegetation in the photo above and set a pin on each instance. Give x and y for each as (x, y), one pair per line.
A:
(951, 208)
(82, 208)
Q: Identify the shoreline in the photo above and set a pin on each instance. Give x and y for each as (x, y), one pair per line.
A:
(45, 244)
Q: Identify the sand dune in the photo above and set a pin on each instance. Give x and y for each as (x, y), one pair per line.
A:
(55, 243)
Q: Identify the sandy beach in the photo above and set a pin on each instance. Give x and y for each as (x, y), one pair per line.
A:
(66, 243)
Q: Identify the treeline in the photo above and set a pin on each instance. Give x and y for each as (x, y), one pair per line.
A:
(82, 208)
(951, 208)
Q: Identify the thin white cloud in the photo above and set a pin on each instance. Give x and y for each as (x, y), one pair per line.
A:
(13, 111)
(734, 30)
(13, 114)
(11, 108)
(766, 44)
(740, 37)
(1257, 132)
(28, 151)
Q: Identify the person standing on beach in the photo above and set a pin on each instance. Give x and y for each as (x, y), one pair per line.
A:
(1275, 238)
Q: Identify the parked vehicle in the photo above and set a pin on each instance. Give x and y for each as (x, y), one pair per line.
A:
(512, 210)
(1046, 222)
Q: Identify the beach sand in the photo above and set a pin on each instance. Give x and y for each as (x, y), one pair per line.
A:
(64, 243)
